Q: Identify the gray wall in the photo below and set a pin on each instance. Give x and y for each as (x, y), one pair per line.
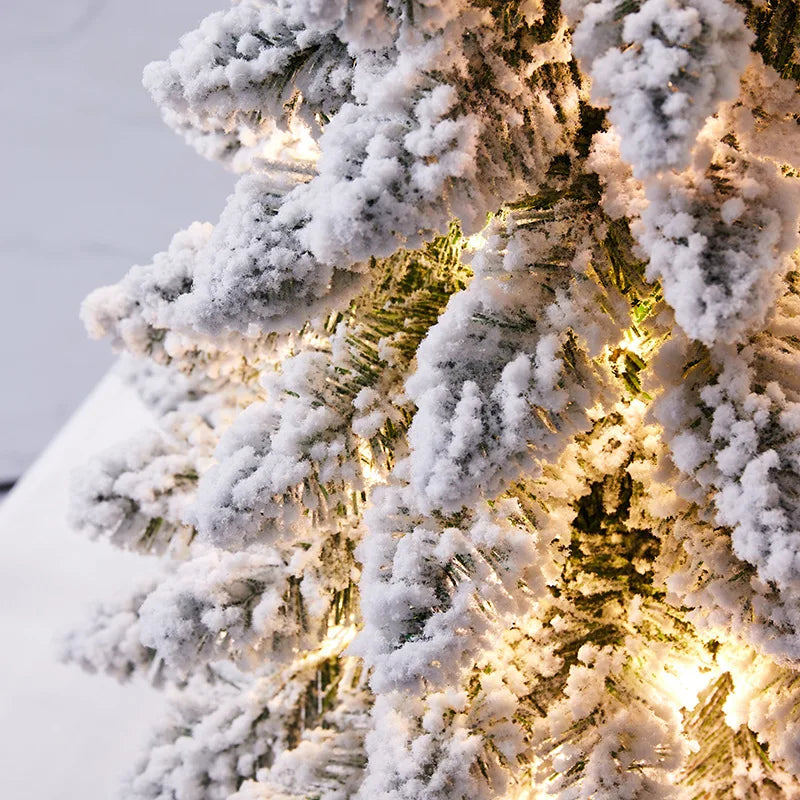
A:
(91, 182)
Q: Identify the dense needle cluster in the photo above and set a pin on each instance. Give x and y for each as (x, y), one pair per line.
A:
(475, 467)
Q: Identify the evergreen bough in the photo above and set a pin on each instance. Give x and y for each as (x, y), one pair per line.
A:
(477, 463)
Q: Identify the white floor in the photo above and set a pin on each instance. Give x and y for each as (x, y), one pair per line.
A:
(64, 735)
(92, 182)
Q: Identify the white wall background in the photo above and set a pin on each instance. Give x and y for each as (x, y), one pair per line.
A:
(91, 182)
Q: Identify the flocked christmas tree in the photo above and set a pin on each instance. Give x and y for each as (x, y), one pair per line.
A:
(477, 472)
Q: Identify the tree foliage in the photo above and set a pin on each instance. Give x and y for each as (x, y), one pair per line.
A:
(476, 467)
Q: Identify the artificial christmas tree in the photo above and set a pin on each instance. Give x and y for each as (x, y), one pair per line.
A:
(477, 467)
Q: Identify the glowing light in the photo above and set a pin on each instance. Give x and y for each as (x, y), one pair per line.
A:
(292, 150)
(475, 242)
(371, 475)
(634, 342)
(683, 681)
